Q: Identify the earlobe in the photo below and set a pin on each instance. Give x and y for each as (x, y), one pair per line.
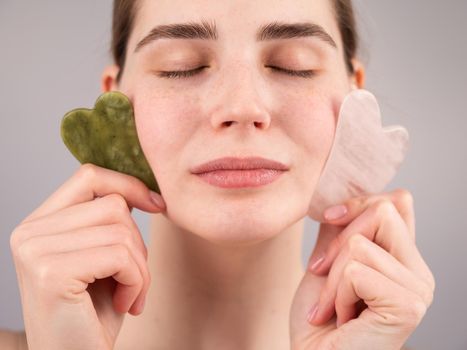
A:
(109, 78)
(358, 78)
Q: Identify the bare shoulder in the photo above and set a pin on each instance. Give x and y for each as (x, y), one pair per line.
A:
(12, 340)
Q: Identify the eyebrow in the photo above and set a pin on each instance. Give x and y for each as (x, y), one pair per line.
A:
(207, 31)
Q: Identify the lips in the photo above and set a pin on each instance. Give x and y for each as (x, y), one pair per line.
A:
(233, 163)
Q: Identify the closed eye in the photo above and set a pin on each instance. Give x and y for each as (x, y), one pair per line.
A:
(190, 73)
(298, 73)
(180, 73)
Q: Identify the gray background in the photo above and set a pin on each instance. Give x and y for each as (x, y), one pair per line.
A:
(51, 56)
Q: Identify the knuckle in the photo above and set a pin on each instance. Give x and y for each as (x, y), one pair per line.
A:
(351, 269)
(124, 234)
(15, 239)
(430, 290)
(122, 255)
(356, 244)
(87, 172)
(408, 314)
(19, 235)
(428, 297)
(45, 273)
(383, 207)
(415, 311)
(25, 253)
(403, 196)
(118, 204)
(51, 283)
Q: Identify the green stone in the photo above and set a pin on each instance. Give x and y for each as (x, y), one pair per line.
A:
(106, 136)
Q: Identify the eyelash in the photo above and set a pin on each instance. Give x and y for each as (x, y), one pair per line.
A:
(190, 73)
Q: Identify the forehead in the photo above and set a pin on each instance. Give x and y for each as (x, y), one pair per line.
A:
(235, 19)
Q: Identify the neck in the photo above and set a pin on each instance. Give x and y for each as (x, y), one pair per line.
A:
(216, 295)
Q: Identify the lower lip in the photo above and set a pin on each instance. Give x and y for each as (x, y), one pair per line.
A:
(241, 178)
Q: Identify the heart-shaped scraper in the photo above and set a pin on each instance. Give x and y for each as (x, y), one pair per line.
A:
(106, 136)
(364, 156)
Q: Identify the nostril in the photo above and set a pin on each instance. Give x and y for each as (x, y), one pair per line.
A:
(229, 123)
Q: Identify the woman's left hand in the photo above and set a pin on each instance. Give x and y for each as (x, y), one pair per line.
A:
(372, 276)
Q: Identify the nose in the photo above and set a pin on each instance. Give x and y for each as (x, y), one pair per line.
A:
(237, 101)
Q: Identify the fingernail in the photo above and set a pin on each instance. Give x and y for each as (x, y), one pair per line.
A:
(157, 199)
(316, 262)
(335, 212)
(312, 313)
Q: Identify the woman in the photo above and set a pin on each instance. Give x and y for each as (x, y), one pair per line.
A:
(222, 269)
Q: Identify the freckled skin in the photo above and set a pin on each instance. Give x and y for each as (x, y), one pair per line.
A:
(179, 121)
(236, 106)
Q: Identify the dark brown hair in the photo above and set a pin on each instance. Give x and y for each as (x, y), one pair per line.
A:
(345, 16)
(124, 13)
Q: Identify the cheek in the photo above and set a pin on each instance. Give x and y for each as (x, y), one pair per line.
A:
(315, 118)
(164, 125)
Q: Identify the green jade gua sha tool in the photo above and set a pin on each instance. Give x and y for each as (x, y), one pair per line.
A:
(106, 136)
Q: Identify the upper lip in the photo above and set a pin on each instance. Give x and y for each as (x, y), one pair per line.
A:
(233, 163)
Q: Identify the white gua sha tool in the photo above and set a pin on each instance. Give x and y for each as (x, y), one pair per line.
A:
(364, 156)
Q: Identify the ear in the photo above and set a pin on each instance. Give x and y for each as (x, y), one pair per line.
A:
(358, 78)
(109, 78)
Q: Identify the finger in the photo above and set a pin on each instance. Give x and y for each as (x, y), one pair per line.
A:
(110, 209)
(359, 248)
(347, 212)
(91, 181)
(88, 238)
(382, 224)
(404, 202)
(401, 198)
(83, 267)
(326, 234)
(389, 304)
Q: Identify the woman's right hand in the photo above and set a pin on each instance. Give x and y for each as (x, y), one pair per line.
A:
(81, 262)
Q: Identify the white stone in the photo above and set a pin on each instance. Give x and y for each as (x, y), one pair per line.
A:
(364, 157)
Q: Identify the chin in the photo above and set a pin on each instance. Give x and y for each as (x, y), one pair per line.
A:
(230, 227)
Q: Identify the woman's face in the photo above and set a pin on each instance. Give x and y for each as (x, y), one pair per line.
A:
(237, 105)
